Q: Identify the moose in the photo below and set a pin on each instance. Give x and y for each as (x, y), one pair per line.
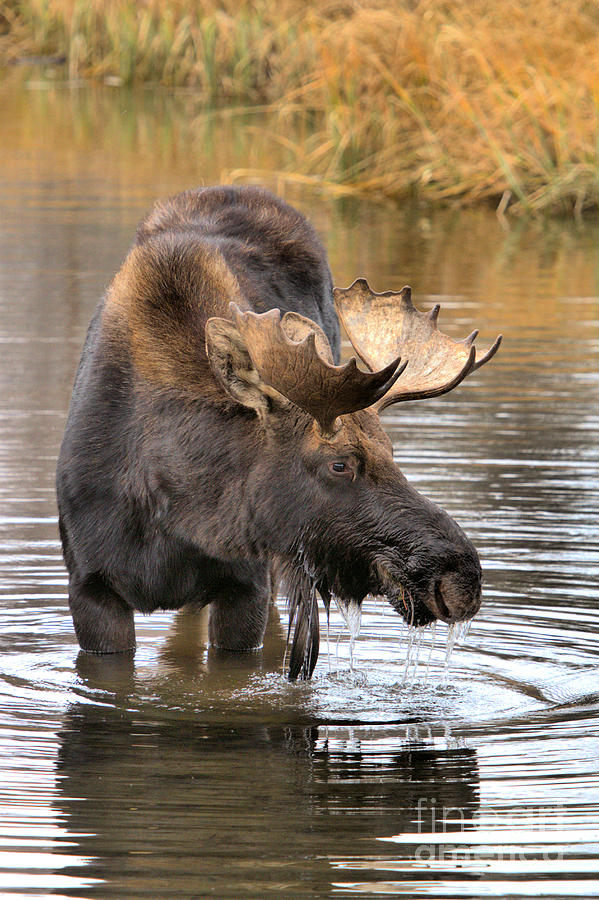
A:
(215, 446)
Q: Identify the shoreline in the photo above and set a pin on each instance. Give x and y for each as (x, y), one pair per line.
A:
(458, 104)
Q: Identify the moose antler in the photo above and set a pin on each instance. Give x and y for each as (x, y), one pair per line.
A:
(381, 325)
(293, 356)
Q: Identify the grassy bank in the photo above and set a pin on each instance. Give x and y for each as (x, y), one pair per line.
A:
(457, 101)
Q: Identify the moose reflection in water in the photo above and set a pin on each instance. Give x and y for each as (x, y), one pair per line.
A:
(276, 804)
(256, 802)
(214, 444)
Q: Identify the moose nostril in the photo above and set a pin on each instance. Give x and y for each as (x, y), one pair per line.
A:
(443, 608)
(456, 598)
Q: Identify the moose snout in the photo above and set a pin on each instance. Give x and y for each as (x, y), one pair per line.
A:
(456, 596)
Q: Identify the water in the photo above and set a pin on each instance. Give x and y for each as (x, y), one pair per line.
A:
(186, 773)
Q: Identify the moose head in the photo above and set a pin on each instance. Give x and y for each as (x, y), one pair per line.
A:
(345, 521)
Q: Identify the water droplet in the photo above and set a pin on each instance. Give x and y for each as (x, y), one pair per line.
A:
(433, 631)
(449, 645)
(351, 611)
(408, 653)
(420, 630)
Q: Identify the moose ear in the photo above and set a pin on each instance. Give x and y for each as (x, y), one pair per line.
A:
(232, 366)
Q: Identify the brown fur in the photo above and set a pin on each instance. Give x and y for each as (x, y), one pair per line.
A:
(158, 305)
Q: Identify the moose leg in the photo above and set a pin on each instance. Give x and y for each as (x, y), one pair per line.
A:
(239, 614)
(103, 622)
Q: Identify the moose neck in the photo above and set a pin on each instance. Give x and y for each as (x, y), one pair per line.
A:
(229, 515)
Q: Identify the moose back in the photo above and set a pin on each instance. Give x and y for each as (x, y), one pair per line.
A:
(215, 446)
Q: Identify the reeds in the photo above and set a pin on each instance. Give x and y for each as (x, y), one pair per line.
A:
(227, 50)
(456, 101)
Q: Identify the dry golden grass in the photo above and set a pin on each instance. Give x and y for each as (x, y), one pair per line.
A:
(459, 101)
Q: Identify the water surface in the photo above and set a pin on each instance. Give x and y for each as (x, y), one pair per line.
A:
(186, 773)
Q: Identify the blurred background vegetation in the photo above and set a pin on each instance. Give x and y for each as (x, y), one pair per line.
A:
(459, 101)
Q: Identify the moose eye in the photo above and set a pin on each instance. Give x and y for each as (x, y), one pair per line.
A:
(338, 467)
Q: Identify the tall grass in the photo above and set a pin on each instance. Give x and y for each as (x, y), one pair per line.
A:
(456, 100)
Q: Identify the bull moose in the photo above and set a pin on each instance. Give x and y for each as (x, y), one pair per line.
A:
(214, 445)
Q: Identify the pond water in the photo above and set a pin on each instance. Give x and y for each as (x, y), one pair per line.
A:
(188, 774)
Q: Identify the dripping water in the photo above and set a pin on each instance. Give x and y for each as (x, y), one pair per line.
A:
(433, 632)
(452, 636)
(415, 645)
(420, 635)
(409, 652)
(412, 651)
(352, 616)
